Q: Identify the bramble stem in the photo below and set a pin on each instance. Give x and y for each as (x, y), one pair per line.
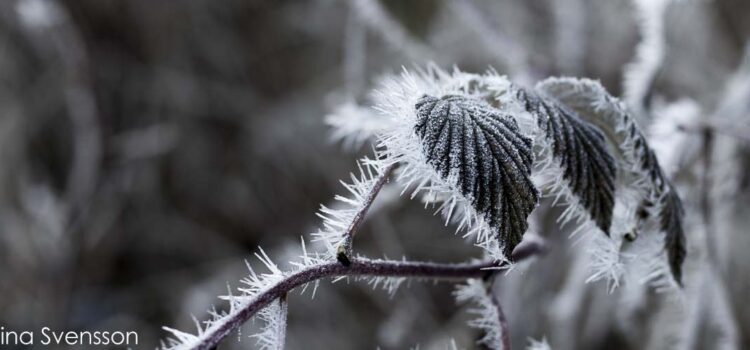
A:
(504, 330)
(357, 267)
(345, 249)
(501, 319)
(283, 312)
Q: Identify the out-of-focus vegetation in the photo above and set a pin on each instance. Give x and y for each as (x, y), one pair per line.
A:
(147, 147)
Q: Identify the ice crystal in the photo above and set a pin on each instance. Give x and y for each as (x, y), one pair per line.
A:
(273, 334)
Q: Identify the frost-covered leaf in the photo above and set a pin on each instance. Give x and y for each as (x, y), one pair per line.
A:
(484, 156)
(591, 101)
(670, 219)
(581, 149)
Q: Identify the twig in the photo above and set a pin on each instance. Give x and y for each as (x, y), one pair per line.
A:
(504, 330)
(501, 319)
(281, 331)
(345, 249)
(641, 73)
(357, 267)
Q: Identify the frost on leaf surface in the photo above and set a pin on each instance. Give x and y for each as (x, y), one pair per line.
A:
(581, 149)
(484, 156)
(595, 104)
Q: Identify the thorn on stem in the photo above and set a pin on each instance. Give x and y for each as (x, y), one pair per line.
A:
(344, 251)
(631, 236)
(343, 259)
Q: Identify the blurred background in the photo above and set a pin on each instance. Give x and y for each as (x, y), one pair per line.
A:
(148, 147)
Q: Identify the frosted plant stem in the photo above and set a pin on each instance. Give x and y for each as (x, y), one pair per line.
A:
(281, 330)
(345, 249)
(706, 210)
(501, 319)
(641, 73)
(719, 309)
(357, 267)
(504, 332)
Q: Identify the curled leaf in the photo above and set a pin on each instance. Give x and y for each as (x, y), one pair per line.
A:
(581, 149)
(484, 156)
(590, 100)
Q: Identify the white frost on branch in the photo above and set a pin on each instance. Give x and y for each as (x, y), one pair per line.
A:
(252, 286)
(388, 284)
(273, 333)
(640, 73)
(488, 318)
(337, 219)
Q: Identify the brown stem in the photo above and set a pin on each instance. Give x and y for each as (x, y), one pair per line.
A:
(501, 319)
(345, 249)
(504, 330)
(357, 267)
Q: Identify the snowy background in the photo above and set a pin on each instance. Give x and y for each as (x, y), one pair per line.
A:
(148, 147)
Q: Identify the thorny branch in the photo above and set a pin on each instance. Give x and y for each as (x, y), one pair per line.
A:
(502, 320)
(283, 312)
(345, 249)
(357, 267)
